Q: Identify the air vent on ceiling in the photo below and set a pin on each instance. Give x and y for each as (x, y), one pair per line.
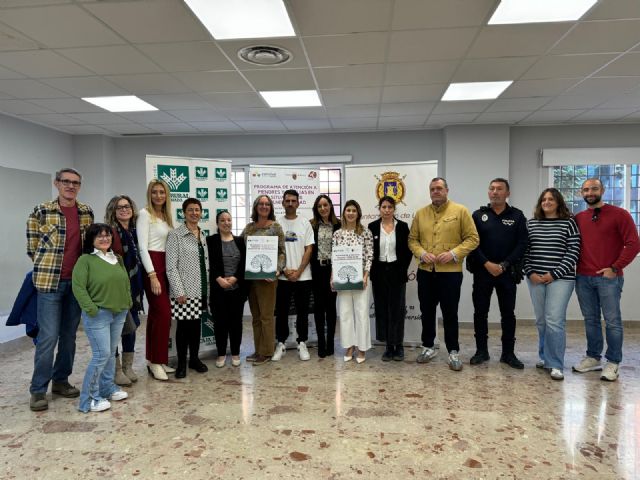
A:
(264, 55)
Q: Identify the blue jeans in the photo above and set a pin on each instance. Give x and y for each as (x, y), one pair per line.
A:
(597, 294)
(103, 332)
(58, 320)
(550, 306)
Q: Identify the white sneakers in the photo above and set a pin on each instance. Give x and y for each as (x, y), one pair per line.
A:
(279, 352)
(303, 353)
(100, 405)
(610, 372)
(587, 364)
(556, 374)
(118, 395)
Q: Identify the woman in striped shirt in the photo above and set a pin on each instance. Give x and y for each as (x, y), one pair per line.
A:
(550, 264)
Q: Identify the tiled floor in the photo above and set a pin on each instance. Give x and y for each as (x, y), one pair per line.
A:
(325, 419)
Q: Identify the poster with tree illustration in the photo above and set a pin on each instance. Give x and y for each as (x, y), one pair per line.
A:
(262, 257)
(346, 264)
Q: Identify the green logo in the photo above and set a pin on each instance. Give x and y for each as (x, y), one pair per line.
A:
(221, 194)
(220, 210)
(180, 215)
(205, 215)
(205, 232)
(221, 174)
(202, 194)
(202, 173)
(177, 177)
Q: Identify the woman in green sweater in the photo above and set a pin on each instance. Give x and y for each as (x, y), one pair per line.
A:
(101, 285)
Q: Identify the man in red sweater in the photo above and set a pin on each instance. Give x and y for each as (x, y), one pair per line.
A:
(609, 244)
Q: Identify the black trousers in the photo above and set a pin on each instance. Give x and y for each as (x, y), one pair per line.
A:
(389, 299)
(483, 285)
(187, 338)
(301, 293)
(324, 308)
(441, 288)
(227, 309)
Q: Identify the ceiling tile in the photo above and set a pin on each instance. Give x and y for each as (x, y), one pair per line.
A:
(337, 50)
(600, 37)
(143, 22)
(262, 126)
(552, 116)
(234, 100)
(149, 117)
(11, 39)
(298, 58)
(452, 119)
(420, 73)
(307, 124)
(623, 101)
(414, 14)
(169, 128)
(574, 102)
(567, 66)
(122, 128)
(111, 60)
(461, 107)
(185, 57)
(216, 127)
(249, 114)
(604, 114)
(60, 26)
(5, 73)
(539, 88)
(492, 69)
(85, 86)
(86, 130)
(413, 93)
(423, 45)
(409, 108)
(501, 117)
(349, 77)
(402, 121)
(214, 81)
(302, 113)
(198, 115)
(517, 104)
(21, 107)
(149, 83)
(341, 16)
(605, 86)
(68, 105)
(353, 111)
(357, 122)
(104, 118)
(281, 79)
(51, 119)
(627, 64)
(351, 96)
(180, 101)
(614, 9)
(517, 40)
(41, 63)
(26, 88)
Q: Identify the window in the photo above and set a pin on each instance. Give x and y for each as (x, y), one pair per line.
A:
(331, 185)
(239, 200)
(621, 183)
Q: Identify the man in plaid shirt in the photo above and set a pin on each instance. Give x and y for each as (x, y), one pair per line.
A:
(55, 231)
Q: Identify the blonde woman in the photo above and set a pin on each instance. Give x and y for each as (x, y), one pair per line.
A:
(153, 227)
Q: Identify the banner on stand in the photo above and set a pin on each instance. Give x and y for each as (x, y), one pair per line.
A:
(408, 184)
(208, 180)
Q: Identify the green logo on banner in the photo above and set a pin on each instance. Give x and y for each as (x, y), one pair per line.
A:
(205, 215)
(202, 173)
(177, 177)
(221, 194)
(202, 194)
(218, 210)
(205, 232)
(180, 215)
(221, 174)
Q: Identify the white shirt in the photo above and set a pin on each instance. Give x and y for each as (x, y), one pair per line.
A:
(298, 234)
(108, 257)
(152, 236)
(388, 244)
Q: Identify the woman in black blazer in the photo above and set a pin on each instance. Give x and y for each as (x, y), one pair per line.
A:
(324, 223)
(391, 259)
(227, 255)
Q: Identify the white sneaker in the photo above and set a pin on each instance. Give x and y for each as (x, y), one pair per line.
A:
(279, 352)
(540, 364)
(100, 405)
(118, 395)
(610, 372)
(303, 352)
(587, 364)
(556, 374)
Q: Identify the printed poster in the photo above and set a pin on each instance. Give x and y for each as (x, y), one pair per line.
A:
(346, 262)
(262, 257)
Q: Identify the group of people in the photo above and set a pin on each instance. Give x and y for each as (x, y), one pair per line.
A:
(100, 272)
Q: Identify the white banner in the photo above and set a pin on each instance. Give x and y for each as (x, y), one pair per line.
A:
(208, 180)
(274, 181)
(408, 184)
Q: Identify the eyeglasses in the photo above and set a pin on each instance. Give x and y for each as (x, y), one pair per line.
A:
(104, 236)
(123, 207)
(70, 183)
(596, 214)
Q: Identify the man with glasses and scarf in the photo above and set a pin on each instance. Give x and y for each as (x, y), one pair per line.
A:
(55, 231)
(609, 244)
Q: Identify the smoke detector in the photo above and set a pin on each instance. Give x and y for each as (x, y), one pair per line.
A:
(264, 55)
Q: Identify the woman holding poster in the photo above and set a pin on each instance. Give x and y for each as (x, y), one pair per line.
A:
(352, 241)
(262, 293)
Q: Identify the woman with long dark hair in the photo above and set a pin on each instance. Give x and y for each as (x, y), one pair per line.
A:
(549, 265)
(324, 224)
(391, 259)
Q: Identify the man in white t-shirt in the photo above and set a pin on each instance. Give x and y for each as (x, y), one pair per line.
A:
(296, 278)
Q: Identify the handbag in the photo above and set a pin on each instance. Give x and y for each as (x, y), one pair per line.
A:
(129, 326)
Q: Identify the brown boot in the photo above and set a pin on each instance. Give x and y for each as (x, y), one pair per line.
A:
(121, 379)
(127, 366)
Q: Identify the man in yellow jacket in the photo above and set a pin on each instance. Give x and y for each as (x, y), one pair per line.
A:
(441, 235)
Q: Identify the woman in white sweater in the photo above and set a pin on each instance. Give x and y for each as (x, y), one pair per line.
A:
(153, 226)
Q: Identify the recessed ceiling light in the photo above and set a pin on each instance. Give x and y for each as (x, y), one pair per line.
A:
(127, 103)
(474, 91)
(539, 11)
(292, 98)
(227, 19)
